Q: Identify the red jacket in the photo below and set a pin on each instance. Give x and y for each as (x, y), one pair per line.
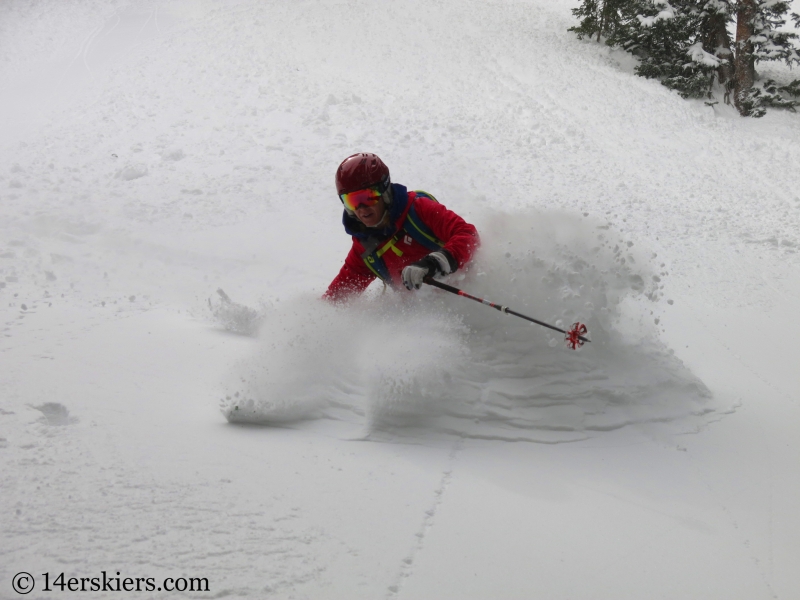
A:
(414, 218)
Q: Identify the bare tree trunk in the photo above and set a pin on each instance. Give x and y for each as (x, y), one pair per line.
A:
(717, 41)
(745, 62)
(601, 3)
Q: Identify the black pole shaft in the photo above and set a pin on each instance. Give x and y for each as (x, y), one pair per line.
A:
(502, 309)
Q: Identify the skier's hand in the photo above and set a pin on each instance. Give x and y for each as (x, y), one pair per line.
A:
(436, 263)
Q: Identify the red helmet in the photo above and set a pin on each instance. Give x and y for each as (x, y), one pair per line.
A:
(361, 171)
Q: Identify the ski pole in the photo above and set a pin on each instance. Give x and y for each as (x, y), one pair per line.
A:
(573, 336)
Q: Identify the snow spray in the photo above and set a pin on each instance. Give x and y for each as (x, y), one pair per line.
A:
(426, 362)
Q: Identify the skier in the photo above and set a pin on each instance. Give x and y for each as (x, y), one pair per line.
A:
(398, 236)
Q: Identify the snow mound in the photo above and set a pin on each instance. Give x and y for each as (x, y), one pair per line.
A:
(434, 362)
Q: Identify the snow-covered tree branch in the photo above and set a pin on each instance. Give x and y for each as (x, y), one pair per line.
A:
(699, 47)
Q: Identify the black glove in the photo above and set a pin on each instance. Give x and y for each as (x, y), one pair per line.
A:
(436, 263)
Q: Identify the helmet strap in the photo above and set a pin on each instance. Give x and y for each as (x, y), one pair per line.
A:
(384, 221)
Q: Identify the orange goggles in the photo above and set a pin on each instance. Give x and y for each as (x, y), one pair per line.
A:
(366, 197)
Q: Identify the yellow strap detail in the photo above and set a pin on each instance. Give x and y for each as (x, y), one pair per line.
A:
(390, 245)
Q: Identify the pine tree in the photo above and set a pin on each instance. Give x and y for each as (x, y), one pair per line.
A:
(598, 17)
(716, 16)
(668, 40)
(688, 46)
(758, 39)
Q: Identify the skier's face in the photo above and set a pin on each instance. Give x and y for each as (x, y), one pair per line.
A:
(371, 215)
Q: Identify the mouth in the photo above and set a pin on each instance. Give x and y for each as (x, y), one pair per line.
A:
(369, 215)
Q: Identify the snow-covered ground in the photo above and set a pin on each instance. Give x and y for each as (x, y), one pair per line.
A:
(408, 446)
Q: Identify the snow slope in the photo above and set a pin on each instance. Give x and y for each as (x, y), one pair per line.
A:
(406, 446)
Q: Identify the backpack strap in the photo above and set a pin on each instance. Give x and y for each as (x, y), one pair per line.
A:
(416, 228)
(413, 226)
(373, 262)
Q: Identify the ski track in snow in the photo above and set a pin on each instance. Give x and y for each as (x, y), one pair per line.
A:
(160, 154)
(407, 565)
